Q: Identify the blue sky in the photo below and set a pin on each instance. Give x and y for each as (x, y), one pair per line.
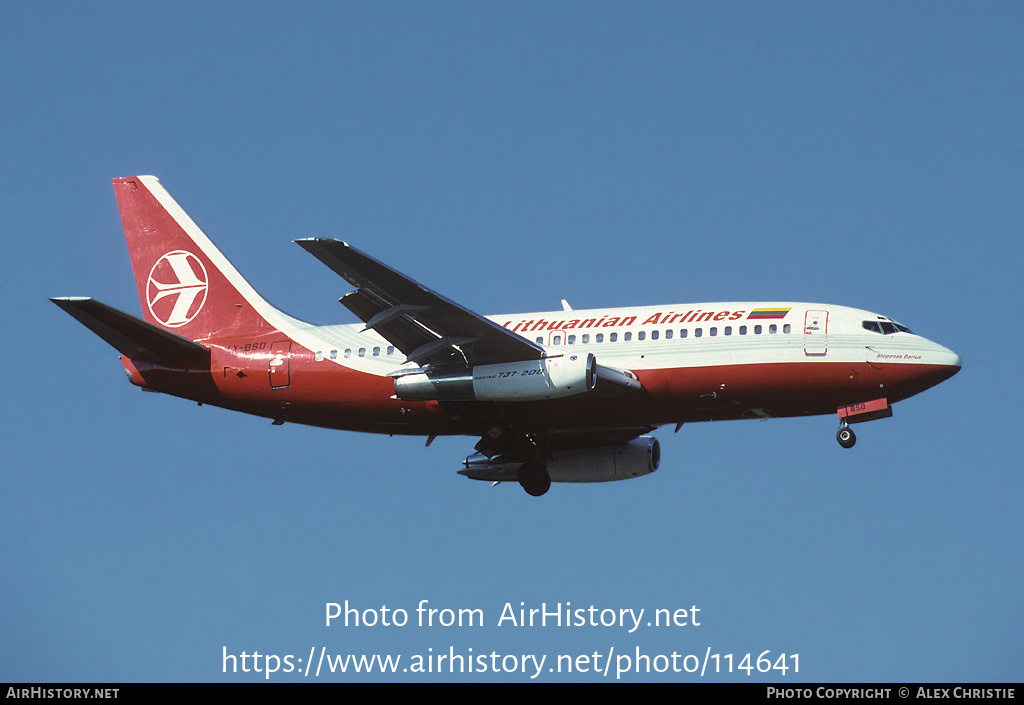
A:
(509, 155)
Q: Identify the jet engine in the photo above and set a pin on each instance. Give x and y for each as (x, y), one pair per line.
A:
(640, 456)
(525, 380)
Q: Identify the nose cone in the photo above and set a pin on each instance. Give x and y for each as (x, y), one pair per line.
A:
(942, 363)
(948, 358)
(933, 364)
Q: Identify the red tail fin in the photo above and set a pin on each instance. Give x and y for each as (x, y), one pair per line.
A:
(185, 283)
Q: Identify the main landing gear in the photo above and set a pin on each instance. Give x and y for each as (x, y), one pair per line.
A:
(845, 435)
(498, 439)
(533, 477)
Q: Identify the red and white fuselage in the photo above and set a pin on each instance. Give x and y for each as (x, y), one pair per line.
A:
(695, 362)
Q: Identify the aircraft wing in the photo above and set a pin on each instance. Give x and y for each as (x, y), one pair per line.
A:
(427, 327)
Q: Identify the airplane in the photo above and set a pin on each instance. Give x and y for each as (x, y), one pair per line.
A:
(556, 396)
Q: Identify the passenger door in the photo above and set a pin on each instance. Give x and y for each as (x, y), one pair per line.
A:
(815, 332)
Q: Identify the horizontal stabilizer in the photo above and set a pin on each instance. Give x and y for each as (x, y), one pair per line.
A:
(131, 336)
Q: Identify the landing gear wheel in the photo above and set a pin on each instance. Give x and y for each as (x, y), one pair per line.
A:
(846, 437)
(534, 478)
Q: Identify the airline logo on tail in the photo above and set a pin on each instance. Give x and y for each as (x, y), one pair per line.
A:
(176, 288)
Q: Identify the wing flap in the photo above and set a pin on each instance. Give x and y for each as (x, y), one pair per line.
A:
(400, 330)
(130, 336)
(427, 327)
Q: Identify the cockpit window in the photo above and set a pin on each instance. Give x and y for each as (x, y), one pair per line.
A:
(885, 327)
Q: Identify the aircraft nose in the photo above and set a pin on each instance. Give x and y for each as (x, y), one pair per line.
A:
(950, 358)
(947, 359)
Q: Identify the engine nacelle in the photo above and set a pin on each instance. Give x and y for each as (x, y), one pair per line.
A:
(640, 456)
(527, 380)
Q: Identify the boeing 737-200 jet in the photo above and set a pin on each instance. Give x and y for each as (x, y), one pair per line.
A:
(558, 396)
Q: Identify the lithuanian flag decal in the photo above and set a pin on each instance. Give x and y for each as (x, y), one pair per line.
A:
(769, 313)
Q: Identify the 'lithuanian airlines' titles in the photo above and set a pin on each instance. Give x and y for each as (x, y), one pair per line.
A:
(608, 321)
